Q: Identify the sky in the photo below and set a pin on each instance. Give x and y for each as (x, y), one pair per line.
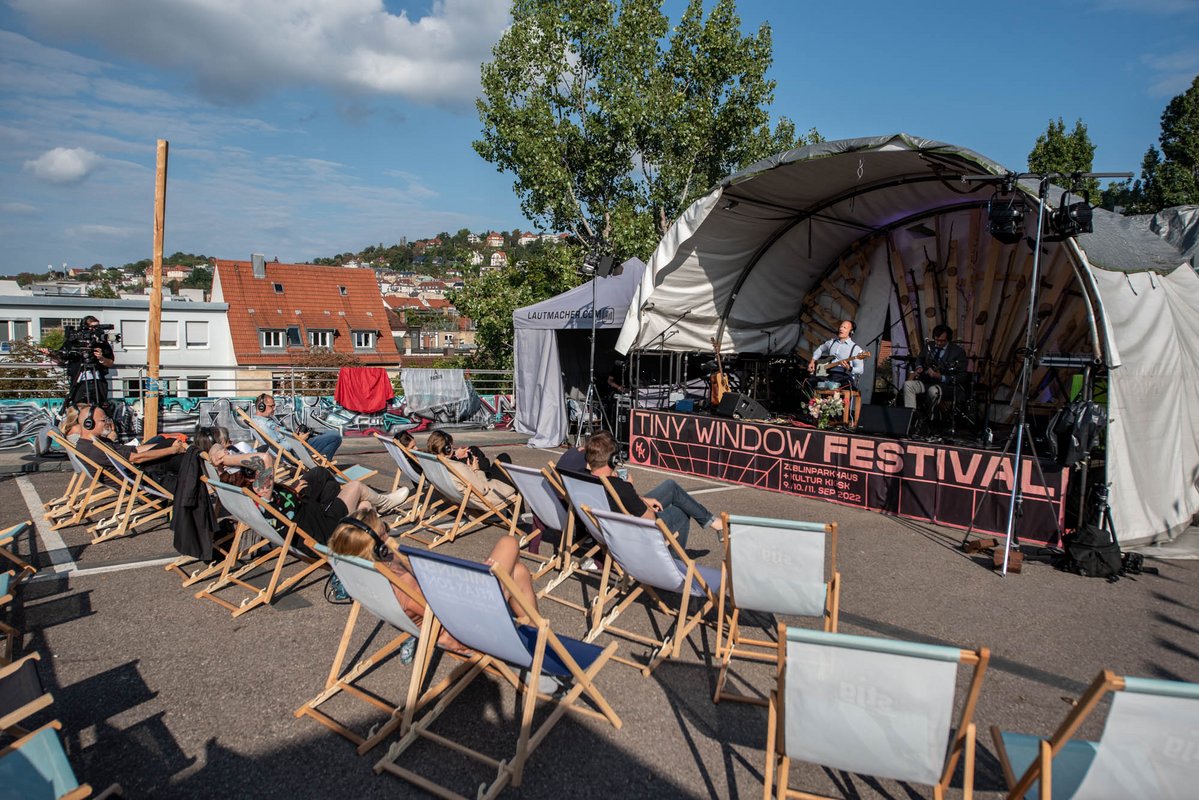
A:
(308, 128)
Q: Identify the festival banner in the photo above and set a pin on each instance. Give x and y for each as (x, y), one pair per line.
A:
(954, 486)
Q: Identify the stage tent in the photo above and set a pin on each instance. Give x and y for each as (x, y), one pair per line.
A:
(539, 386)
(884, 230)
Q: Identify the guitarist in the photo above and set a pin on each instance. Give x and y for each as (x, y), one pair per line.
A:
(842, 347)
(941, 366)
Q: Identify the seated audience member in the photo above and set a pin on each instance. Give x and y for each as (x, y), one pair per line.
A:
(69, 427)
(357, 535)
(667, 501)
(408, 442)
(317, 501)
(472, 467)
(264, 416)
(160, 458)
(226, 457)
(573, 460)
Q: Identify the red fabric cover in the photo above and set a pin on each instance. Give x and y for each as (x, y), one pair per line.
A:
(363, 389)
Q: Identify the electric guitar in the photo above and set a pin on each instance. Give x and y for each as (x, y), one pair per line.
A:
(719, 381)
(822, 369)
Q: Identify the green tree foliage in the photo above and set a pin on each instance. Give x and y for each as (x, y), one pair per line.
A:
(1169, 177)
(1067, 153)
(102, 290)
(32, 381)
(611, 123)
(491, 298)
(200, 278)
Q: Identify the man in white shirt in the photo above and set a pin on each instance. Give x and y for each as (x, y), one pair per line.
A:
(838, 349)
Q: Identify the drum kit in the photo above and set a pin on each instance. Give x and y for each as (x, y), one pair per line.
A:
(968, 404)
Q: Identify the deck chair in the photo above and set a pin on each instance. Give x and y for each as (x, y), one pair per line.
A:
(877, 707)
(311, 459)
(1148, 747)
(11, 635)
(7, 537)
(439, 471)
(772, 566)
(141, 499)
(405, 469)
(35, 767)
(651, 556)
(92, 498)
(542, 501)
(250, 513)
(468, 600)
(22, 694)
(371, 586)
(287, 465)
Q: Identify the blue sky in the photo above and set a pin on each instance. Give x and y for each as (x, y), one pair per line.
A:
(304, 128)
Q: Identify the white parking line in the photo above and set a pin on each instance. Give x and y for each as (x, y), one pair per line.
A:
(52, 544)
(82, 573)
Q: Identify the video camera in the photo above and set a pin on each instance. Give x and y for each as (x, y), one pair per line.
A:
(81, 342)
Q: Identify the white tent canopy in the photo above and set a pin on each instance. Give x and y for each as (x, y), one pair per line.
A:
(539, 388)
(884, 228)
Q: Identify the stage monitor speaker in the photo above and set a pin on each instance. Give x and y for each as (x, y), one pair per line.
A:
(886, 420)
(740, 406)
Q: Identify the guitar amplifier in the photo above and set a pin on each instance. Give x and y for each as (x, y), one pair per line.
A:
(741, 406)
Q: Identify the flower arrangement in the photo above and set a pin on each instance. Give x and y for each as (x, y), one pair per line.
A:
(826, 409)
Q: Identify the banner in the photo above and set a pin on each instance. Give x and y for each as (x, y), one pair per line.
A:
(948, 485)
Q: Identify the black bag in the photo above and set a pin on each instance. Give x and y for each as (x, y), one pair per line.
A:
(1092, 552)
(1074, 431)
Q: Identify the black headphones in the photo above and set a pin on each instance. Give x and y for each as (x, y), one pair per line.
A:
(382, 551)
(89, 424)
(260, 403)
(853, 327)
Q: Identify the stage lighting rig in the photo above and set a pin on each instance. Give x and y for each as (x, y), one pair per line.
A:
(1071, 219)
(1005, 217)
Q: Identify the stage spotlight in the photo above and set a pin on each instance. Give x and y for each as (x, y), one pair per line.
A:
(1072, 219)
(1006, 219)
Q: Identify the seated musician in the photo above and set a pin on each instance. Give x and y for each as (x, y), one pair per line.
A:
(938, 367)
(838, 349)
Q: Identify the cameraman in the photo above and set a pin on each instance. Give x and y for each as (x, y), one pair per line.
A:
(87, 356)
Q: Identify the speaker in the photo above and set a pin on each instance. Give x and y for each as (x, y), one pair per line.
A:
(740, 406)
(886, 420)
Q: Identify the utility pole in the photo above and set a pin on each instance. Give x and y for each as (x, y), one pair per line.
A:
(154, 326)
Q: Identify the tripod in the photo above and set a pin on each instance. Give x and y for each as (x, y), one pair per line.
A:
(593, 408)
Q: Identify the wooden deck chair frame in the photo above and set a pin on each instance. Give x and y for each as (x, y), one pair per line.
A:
(961, 742)
(391, 613)
(141, 499)
(548, 652)
(63, 505)
(439, 471)
(24, 671)
(43, 744)
(6, 539)
(310, 458)
(11, 635)
(541, 500)
(772, 569)
(220, 545)
(568, 555)
(421, 488)
(288, 466)
(1075, 756)
(691, 581)
(281, 549)
(93, 496)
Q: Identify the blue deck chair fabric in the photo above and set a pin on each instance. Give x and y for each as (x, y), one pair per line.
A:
(22, 693)
(872, 706)
(35, 767)
(1148, 747)
(7, 537)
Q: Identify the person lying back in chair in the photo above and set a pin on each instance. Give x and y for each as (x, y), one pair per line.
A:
(264, 415)
(362, 535)
(667, 501)
(473, 467)
(159, 458)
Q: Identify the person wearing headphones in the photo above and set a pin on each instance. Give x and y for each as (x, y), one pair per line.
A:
(667, 501)
(160, 458)
(472, 467)
(264, 414)
(839, 348)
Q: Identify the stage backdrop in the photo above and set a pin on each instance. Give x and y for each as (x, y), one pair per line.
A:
(947, 485)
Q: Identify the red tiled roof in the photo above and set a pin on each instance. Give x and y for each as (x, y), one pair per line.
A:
(311, 291)
(438, 302)
(404, 302)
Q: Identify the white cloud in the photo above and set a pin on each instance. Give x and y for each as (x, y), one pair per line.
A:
(64, 164)
(236, 51)
(17, 208)
(107, 231)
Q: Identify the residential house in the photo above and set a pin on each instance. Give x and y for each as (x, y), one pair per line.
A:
(527, 238)
(495, 240)
(499, 259)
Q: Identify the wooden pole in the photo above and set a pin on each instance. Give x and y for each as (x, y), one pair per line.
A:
(154, 326)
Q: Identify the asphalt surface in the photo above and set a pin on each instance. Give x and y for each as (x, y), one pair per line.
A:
(171, 697)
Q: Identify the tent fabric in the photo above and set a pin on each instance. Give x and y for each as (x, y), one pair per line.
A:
(740, 261)
(539, 389)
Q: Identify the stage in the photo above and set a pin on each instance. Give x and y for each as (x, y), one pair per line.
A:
(939, 483)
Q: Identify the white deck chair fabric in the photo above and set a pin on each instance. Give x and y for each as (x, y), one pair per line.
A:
(1148, 748)
(363, 581)
(638, 546)
(350, 472)
(244, 509)
(539, 496)
(148, 484)
(870, 706)
(438, 474)
(403, 465)
(585, 490)
(777, 568)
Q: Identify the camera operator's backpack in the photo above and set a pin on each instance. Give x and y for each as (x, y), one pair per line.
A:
(1092, 551)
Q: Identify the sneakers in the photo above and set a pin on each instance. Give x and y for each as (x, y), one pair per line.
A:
(408, 651)
(335, 592)
(390, 502)
(548, 684)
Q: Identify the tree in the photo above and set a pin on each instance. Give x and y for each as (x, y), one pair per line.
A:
(199, 278)
(32, 381)
(491, 298)
(1169, 177)
(102, 290)
(610, 135)
(1067, 153)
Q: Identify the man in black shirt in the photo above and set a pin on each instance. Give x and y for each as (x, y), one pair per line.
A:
(667, 501)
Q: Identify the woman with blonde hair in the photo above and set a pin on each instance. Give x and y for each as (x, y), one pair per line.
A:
(70, 427)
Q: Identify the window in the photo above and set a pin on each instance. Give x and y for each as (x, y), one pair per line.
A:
(133, 334)
(341, 290)
(449, 340)
(278, 288)
(196, 387)
(364, 340)
(320, 339)
(12, 330)
(293, 336)
(168, 338)
(272, 339)
(197, 333)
